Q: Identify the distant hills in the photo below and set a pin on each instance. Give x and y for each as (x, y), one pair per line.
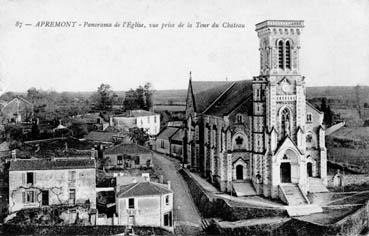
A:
(346, 94)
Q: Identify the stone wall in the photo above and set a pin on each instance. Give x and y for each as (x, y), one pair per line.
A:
(352, 224)
(349, 179)
(212, 206)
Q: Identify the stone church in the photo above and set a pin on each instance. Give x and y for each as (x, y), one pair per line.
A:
(259, 136)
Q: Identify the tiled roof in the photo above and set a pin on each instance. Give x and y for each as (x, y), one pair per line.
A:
(127, 148)
(231, 98)
(100, 136)
(56, 164)
(142, 189)
(167, 133)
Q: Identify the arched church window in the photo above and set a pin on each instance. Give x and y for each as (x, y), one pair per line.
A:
(288, 55)
(285, 122)
(280, 55)
(239, 140)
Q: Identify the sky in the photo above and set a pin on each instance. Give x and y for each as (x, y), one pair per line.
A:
(334, 49)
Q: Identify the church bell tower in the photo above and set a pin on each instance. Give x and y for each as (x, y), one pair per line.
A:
(279, 104)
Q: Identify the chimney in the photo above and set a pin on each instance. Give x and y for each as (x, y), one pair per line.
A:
(14, 154)
(169, 185)
(93, 153)
(161, 179)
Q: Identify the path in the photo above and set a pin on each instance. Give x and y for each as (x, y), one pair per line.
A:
(186, 216)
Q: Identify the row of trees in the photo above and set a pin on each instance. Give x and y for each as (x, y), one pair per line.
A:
(140, 98)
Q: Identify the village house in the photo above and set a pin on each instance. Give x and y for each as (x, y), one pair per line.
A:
(126, 156)
(36, 183)
(170, 141)
(145, 204)
(149, 121)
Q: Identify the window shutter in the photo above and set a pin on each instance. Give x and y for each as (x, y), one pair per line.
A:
(23, 197)
(23, 178)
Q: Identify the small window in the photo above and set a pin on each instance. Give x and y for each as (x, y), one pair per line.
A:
(131, 203)
(137, 160)
(154, 119)
(162, 144)
(29, 197)
(141, 122)
(239, 140)
(119, 160)
(30, 178)
(167, 200)
(309, 118)
(72, 196)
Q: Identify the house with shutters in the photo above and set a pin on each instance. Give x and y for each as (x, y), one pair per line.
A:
(145, 204)
(37, 183)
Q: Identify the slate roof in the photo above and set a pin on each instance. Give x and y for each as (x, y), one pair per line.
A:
(47, 164)
(142, 189)
(127, 148)
(167, 133)
(205, 92)
(226, 94)
(234, 96)
(178, 136)
(100, 136)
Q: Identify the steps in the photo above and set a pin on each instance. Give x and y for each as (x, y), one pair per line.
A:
(293, 194)
(244, 188)
(316, 186)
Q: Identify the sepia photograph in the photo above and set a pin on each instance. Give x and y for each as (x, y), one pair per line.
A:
(184, 117)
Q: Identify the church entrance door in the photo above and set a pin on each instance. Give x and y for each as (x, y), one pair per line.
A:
(309, 169)
(285, 172)
(239, 172)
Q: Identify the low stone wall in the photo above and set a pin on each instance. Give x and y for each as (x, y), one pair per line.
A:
(349, 179)
(18, 229)
(212, 206)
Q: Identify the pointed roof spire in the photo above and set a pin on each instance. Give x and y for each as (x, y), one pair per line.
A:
(190, 75)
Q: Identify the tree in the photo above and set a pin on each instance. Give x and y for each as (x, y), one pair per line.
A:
(79, 129)
(140, 98)
(328, 114)
(103, 97)
(138, 135)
